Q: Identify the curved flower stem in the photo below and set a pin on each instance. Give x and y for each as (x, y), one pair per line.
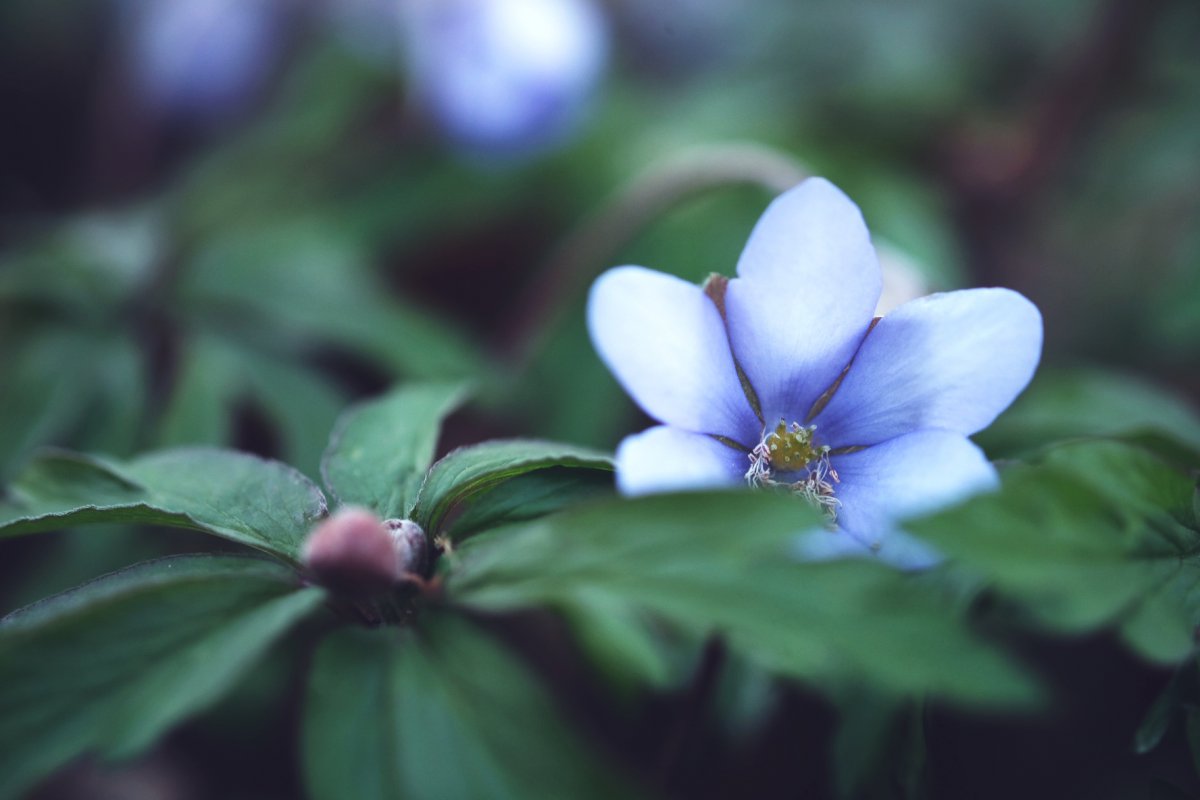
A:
(596, 241)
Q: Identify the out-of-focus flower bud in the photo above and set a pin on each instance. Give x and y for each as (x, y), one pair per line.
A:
(504, 76)
(201, 59)
(412, 548)
(354, 552)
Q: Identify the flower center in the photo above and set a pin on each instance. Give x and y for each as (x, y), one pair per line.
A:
(789, 457)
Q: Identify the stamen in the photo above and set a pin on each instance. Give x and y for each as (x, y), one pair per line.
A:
(792, 448)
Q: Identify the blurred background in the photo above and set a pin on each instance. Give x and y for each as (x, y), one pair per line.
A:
(221, 221)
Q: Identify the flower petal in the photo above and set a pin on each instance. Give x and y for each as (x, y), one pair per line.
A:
(952, 361)
(909, 475)
(806, 292)
(665, 342)
(897, 548)
(665, 459)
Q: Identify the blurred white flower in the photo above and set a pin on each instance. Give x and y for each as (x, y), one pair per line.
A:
(201, 58)
(504, 75)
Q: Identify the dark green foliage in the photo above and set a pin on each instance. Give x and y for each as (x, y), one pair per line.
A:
(380, 450)
(719, 563)
(110, 666)
(1095, 534)
(442, 712)
(260, 503)
(470, 471)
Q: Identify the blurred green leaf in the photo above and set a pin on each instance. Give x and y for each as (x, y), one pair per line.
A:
(1098, 533)
(301, 405)
(260, 503)
(620, 640)
(442, 712)
(304, 279)
(85, 386)
(206, 388)
(1085, 402)
(215, 375)
(1183, 688)
(468, 471)
(90, 265)
(380, 449)
(865, 735)
(717, 562)
(110, 666)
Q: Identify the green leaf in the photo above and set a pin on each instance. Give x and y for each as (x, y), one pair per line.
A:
(94, 397)
(205, 389)
(1097, 534)
(619, 641)
(302, 406)
(260, 503)
(110, 666)
(865, 736)
(1082, 402)
(380, 449)
(530, 496)
(215, 375)
(468, 471)
(1182, 689)
(442, 712)
(718, 562)
(304, 277)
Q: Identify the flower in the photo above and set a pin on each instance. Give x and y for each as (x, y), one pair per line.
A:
(504, 75)
(782, 377)
(203, 59)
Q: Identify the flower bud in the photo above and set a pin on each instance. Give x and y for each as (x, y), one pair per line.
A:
(353, 551)
(411, 546)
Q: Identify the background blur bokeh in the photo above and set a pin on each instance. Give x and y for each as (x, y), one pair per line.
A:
(223, 220)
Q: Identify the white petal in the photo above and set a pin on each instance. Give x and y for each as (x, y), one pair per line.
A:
(951, 361)
(665, 342)
(807, 288)
(665, 459)
(904, 477)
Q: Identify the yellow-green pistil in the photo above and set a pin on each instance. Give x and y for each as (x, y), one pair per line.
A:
(793, 449)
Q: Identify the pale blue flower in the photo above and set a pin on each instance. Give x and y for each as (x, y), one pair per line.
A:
(868, 420)
(202, 59)
(504, 75)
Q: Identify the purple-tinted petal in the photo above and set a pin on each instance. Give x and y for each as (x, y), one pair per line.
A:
(806, 292)
(896, 547)
(504, 75)
(906, 476)
(951, 361)
(203, 59)
(665, 459)
(665, 342)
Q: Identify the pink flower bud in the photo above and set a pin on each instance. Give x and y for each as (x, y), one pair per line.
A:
(353, 551)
